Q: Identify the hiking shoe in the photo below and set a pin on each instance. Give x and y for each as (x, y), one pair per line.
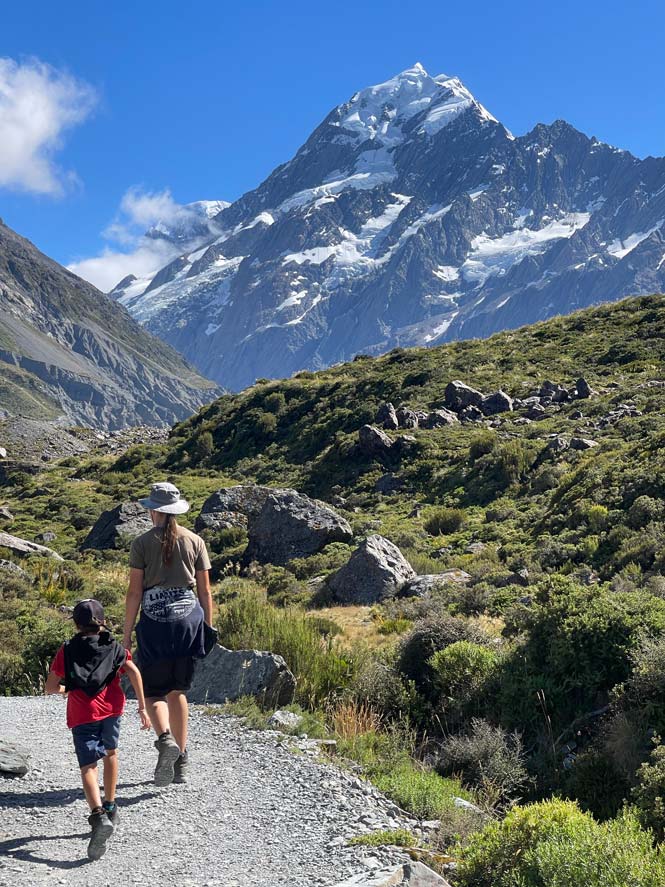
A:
(102, 829)
(111, 810)
(168, 754)
(181, 769)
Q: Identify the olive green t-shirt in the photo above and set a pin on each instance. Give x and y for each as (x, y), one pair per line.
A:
(189, 555)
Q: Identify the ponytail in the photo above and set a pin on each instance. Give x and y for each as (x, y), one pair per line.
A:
(169, 537)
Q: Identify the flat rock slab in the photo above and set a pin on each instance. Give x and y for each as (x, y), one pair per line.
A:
(252, 815)
(22, 546)
(14, 760)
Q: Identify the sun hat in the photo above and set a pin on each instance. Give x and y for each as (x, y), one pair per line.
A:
(87, 613)
(165, 497)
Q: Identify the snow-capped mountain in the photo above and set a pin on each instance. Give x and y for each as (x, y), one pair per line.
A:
(410, 216)
(186, 228)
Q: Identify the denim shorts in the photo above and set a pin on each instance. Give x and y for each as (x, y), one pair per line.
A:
(93, 740)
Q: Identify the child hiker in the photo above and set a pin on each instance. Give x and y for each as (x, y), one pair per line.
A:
(88, 668)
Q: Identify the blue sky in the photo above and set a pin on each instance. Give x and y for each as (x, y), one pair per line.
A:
(205, 100)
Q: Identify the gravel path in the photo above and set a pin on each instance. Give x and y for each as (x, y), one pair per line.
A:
(254, 813)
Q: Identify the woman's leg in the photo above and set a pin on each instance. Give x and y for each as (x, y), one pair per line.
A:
(158, 712)
(178, 715)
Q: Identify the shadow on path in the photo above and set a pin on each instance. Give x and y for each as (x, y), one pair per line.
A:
(13, 850)
(60, 797)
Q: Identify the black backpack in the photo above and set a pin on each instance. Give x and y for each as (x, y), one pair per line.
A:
(92, 661)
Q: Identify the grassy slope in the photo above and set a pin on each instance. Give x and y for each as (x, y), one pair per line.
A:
(302, 432)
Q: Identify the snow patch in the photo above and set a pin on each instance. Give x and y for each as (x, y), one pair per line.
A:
(620, 248)
(495, 256)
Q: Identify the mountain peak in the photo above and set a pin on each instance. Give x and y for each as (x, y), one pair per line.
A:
(383, 109)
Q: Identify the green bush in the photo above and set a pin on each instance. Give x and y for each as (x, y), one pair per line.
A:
(444, 520)
(555, 844)
(649, 793)
(424, 640)
(462, 669)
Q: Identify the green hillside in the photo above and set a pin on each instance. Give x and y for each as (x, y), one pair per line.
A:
(540, 676)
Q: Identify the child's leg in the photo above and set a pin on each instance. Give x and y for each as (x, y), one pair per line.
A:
(110, 774)
(178, 717)
(91, 785)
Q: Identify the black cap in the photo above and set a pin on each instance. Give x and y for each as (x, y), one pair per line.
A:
(87, 613)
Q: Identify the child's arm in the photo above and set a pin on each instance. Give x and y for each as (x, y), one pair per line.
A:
(53, 685)
(136, 681)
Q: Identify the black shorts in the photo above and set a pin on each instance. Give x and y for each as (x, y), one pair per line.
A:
(160, 678)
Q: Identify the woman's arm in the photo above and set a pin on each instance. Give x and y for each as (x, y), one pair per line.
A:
(132, 604)
(203, 592)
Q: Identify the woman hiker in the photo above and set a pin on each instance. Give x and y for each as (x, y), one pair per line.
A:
(169, 583)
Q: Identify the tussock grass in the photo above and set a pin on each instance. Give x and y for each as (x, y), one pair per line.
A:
(322, 667)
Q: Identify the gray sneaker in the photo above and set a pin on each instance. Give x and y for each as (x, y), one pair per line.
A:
(102, 829)
(168, 755)
(181, 769)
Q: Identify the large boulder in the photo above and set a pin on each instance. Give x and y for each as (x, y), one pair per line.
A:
(387, 416)
(440, 419)
(22, 546)
(497, 402)
(226, 675)
(407, 418)
(458, 395)
(14, 761)
(292, 525)
(373, 442)
(583, 388)
(245, 499)
(118, 526)
(376, 570)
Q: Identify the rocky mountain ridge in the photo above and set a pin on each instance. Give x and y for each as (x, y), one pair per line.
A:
(68, 351)
(409, 217)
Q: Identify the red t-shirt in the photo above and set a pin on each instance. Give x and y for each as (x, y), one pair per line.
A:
(81, 708)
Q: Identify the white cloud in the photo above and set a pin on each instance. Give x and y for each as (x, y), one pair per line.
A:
(37, 104)
(170, 234)
(109, 268)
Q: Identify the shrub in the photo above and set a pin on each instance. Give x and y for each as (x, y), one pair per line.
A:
(643, 511)
(384, 689)
(427, 638)
(422, 792)
(461, 669)
(481, 445)
(649, 793)
(444, 520)
(488, 758)
(321, 667)
(555, 844)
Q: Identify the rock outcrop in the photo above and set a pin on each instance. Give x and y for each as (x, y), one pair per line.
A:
(422, 586)
(459, 395)
(232, 507)
(118, 526)
(374, 442)
(376, 570)
(22, 546)
(227, 675)
(292, 525)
